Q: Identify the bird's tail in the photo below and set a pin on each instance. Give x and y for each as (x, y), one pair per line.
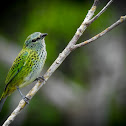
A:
(2, 100)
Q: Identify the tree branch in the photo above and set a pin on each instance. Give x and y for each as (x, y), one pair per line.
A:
(121, 20)
(70, 47)
(101, 12)
(83, 26)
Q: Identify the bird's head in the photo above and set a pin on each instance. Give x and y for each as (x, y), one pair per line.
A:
(35, 40)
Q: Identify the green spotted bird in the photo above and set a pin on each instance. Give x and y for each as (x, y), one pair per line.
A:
(27, 65)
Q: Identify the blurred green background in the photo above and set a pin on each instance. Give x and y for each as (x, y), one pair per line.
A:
(89, 87)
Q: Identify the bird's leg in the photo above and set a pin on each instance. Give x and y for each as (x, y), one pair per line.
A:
(23, 96)
(40, 78)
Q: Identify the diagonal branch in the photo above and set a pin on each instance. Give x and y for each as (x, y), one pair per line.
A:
(83, 26)
(121, 20)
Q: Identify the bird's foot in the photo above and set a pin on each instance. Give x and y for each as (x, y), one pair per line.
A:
(40, 78)
(26, 99)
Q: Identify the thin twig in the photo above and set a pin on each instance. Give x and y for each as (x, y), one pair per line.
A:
(101, 12)
(96, 2)
(121, 20)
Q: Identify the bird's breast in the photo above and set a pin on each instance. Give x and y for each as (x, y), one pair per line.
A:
(35, 64)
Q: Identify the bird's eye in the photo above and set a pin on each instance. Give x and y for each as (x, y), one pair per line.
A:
(33, 40)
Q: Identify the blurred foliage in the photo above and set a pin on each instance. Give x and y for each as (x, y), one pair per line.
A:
(117, 113)
(48, 114)
(59, 19)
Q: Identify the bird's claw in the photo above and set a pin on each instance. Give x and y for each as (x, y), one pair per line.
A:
(40, 78)
(26, 99)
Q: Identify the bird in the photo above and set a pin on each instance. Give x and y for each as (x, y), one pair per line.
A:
(27, 66)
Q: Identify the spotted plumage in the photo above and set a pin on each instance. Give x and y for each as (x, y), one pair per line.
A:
(27, 65)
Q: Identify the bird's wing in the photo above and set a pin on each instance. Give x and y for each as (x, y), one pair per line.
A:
(17, 65)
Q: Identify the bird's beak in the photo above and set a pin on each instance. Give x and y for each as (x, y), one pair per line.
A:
(43, 35)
